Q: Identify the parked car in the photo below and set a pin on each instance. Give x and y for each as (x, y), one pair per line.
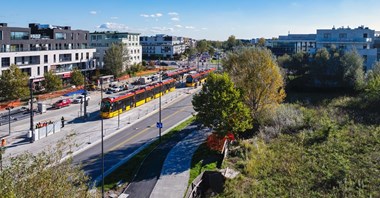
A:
(114, 89)
(80, 98)
(62, 103)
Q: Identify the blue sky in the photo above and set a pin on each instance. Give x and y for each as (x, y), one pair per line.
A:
(200, 19)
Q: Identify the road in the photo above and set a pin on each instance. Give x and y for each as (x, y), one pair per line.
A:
(123, 143)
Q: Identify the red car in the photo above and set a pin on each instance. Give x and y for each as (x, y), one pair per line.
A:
(62, 103)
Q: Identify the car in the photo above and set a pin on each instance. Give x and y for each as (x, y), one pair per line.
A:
(80, 99)
(114, 89)
(109, 92)
(163, 64)
(62, 103)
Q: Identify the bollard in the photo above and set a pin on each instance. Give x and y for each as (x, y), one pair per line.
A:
(129, 120)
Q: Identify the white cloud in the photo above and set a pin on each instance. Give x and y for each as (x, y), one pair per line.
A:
(113, 26)
(93, 12)
(114, 17)
(161, 29)
(173, 14)
(178, 26)
(189, 27)
(204, 28)
(175, 19)
(151, 15)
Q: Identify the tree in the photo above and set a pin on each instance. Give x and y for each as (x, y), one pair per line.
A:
(52, 81)
(202, 46)
(211, 50)
(116, 59)
(43, 175)
(77, 77)
(230, 43)
(14, 83)
(255, 71)
(220, 106)
(261, 42)
(353, 74)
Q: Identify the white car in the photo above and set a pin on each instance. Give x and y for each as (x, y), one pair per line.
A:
(80, 98)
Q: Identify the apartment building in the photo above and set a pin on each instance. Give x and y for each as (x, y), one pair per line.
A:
(360, 39)
(103, 40)
(40, 48)
(163, 46)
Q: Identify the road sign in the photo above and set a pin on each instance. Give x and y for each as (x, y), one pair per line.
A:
(159, 125)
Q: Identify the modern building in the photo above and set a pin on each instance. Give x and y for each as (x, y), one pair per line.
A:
(103, 40)
(40, 48)
(293, 43)
(163, 46)
(360, 39)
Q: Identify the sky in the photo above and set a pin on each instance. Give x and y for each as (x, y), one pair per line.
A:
(199, 19)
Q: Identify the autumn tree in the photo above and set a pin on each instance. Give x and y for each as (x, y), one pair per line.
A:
(77, 77)
(52, 81)
(261, 42)
(14, 83)
(116, 59)
(44, 175)
(220, 106)
(255, 71)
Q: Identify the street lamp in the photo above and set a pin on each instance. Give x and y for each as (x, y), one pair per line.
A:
(101, 128)
(31, 110)
(9, 117)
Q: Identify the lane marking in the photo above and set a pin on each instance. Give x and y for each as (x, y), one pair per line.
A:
(139, 133)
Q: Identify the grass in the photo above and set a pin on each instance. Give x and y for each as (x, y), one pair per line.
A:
(204, 159)
(126, 172)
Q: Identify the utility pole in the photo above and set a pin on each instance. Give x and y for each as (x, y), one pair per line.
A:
(159, 111)
(101, 128)
(31, 110)
(85, 96)
(9, 117)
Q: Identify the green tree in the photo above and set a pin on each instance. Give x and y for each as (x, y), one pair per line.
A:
(77, 77)
(211, 51)
(202, 46)
(116, 59)
(352, 64)
(230, 43)
(52, 81)
(255, 71)
(220, 106)
(14, 83)
(43, 175)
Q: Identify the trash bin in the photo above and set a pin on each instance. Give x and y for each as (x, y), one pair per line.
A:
(41, 107)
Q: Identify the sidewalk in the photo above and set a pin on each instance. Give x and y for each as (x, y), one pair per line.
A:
(175, 172)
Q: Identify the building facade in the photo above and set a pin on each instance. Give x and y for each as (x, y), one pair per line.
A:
(360, 39)
(163, 46)
(40, 48)
(103, 40)
(293, 43)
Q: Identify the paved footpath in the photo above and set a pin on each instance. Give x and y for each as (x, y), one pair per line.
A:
(175, 172)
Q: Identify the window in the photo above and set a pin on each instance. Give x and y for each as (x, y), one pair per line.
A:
(5, 62)
(1, 35)
(365, 35)
(55, 59)
(38, 71)
(99, 37)
(45, 69)
(342, 35)
(45, 58)
(364, 46)
(87, 55)
(85, 37)
(93, 37)
(76, 56)
(60, 36)
(19, 35)
(326, 35)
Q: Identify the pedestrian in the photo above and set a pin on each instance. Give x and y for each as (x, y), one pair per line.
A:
(62, 122)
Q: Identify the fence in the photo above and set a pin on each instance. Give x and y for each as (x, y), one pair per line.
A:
(47, 130)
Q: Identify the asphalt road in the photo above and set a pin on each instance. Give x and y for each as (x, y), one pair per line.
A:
(126, 141)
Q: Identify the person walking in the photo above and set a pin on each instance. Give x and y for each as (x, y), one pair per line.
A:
(62, 122)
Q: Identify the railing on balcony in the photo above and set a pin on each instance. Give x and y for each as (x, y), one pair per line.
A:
(41, 49)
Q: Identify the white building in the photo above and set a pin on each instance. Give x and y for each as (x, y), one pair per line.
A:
(360, 39)
(163, 46)
(103, 40)
(40, 48)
